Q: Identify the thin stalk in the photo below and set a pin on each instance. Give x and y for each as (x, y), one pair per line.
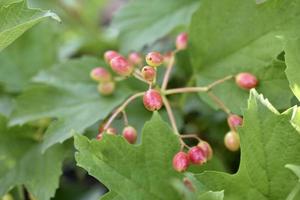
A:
(219, 102)
(121, 108)
(171, 115)
(168, 71)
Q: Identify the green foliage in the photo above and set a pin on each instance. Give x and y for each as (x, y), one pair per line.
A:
(67, 93)
(23, 164)
(292, 50)
(16, 18)
(268, 142)
(133, 172)
(141, 22)
(235, 36)
(27, 55)
(47, 95)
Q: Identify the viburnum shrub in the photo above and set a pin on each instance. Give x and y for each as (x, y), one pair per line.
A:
(157, 96)
(150, 100)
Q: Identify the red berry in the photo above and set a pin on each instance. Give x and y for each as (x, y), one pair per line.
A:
(182, 41)
(106, 88)
(152, 100)
(181, 161)
(100, 74)
(121, 66)
(246, 80)
(148, 73)
(154, 59)
(130, 134)
(197, 155)
(234, 121)
(232, 141)
(135, 58)
(109, 55)
(206, 148)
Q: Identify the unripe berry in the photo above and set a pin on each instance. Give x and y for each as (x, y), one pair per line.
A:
(206, 148)
(152, 100)
(154, 59)
(182, 41)
(232, 141)
(121, 66)
(135, 58)
(106, 88)
(100, 74)
(197, 156)
(234, 121)
(148, 73)
(111, 131)
(181, 161)
(130, 134)
(246, 80)
(109, 55)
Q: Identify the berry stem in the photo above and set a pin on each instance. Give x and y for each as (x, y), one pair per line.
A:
(138, 76)
(125, 118)
(190, 136)
(217, 82)
(197, 89)
(168, 71)
(121, 108)
(219, 102)
(171, 115)
(185, 90)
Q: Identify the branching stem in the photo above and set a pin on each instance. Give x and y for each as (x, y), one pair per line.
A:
(121, 108)
(171, 115)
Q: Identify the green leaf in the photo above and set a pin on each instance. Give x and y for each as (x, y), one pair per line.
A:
(268, 142)
(212, 196)
(292, 50)
(295, 192)
(7, 2)
(133, 171)
(67, 93)
(142, 22)
(236, 36)
(35, 50)
(23, 164)
(16, 18)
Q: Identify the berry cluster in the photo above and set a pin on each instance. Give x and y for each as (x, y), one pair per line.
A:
(156, 97)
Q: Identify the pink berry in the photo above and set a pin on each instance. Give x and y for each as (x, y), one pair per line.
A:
(109, 55)
(130, 134)
(206, 148)
(232, 141)
(181, 161)
(197, 156)
(154, 59)
(182, 41)
(121, 66)
(99, 136)
(148, 73)
(246, 80)
(100, 74)
(135, 58)
(234, 121)
(106, 88)
(152, 100)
